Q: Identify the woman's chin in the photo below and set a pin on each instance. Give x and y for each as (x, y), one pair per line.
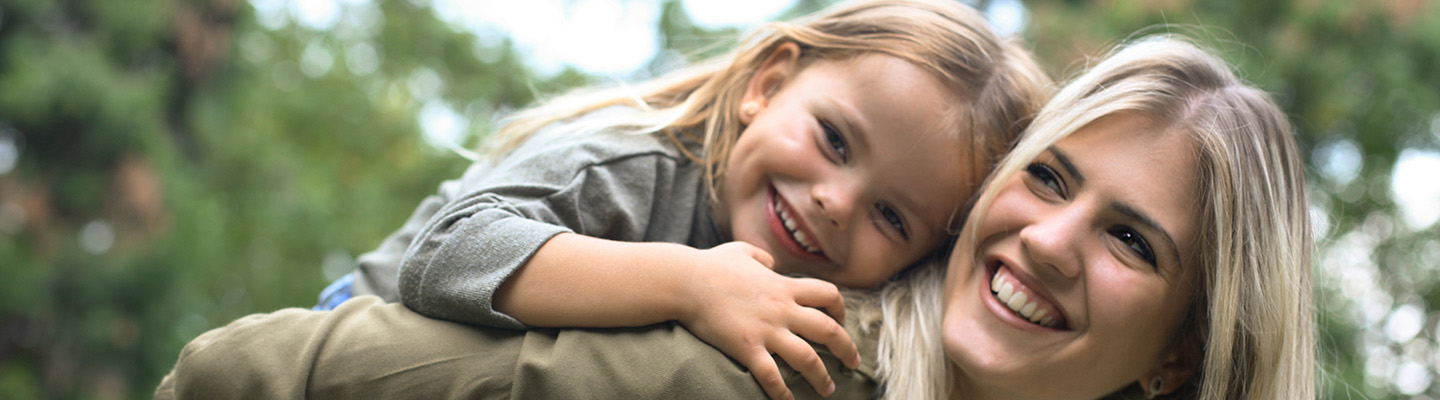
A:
(973, 346)
(987, 362)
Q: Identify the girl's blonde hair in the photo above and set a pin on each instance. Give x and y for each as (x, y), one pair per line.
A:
(1003, 85)
(1252, 319)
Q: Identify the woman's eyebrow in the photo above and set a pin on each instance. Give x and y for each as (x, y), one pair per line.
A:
(1119, 207)
(1069, 166)
(1147, 221)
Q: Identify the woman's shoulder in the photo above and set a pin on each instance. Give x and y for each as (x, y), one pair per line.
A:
(657, 361)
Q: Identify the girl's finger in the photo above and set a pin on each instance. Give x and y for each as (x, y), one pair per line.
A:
(763, 368)
(761, 256)
(802, 357)
(816, 326)
(820, 294)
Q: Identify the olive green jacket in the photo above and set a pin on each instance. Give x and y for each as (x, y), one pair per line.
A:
(369, 349)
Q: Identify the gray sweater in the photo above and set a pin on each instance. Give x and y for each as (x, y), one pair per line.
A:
(463, 242)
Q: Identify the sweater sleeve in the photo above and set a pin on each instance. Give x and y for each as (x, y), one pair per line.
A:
(599, 186)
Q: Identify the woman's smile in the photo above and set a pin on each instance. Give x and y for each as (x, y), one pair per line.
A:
(1012, 297)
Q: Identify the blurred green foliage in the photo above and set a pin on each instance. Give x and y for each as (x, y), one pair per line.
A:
(182, 163)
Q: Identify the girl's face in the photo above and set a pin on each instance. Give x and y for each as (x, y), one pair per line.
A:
(847, 170)
(1074, 283)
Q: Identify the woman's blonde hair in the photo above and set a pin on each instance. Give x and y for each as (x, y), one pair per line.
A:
(1252, 319)
(1002, 83)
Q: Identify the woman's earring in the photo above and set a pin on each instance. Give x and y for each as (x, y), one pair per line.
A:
(1156, 384)
(749, 108)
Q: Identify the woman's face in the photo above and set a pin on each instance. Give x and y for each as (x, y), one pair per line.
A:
(1074, 282)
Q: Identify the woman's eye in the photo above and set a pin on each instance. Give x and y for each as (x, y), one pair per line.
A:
(1135, 242)
(1046, 176)
(835, 141)
(893, 218)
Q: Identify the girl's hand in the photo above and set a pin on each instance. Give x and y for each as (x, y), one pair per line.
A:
(746, 310)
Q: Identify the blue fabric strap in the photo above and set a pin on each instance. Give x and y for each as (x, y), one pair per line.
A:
(336, 293)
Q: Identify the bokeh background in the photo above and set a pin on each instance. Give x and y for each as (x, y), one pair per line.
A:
(167, 166)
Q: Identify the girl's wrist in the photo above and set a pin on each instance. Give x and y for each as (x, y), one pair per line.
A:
(671, 272)
(683, 298)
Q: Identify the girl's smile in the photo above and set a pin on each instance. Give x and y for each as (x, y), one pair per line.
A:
(793, 232)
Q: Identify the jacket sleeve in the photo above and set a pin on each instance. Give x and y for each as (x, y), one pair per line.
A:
(663, 361)
(369, 349)
(494, 223)
(363, 349)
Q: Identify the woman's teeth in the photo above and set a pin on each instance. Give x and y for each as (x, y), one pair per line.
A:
(1019, 302)
(790, 226)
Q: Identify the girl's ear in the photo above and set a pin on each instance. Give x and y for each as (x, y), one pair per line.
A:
(778, 67)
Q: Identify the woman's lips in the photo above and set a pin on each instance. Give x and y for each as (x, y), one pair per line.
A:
(792, 233)
(1015, 301)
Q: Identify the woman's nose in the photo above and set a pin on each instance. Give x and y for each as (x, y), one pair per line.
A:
(1052, 239)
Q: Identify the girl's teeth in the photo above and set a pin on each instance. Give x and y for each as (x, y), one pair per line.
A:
(805, 243)
(790, 225)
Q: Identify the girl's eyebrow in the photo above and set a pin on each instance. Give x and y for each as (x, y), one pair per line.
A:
(841, 114)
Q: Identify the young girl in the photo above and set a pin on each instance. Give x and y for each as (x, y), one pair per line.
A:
(836, 148)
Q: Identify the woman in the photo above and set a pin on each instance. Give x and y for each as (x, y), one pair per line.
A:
(1148, 236)
(1152, 223)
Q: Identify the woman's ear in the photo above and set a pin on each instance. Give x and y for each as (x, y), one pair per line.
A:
(779, 67)
(1172, 373)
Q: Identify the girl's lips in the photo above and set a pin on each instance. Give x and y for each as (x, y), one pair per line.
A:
(782, 235)
(1023, 298)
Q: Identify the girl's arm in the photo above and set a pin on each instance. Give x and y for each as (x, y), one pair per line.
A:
(727, 296)
(629, 188)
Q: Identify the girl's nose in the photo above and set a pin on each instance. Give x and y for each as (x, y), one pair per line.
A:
(836, 202)
(1052, 239)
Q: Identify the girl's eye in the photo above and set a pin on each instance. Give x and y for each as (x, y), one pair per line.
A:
(1044, 175)
(836, 142)
(1136, 243)
(893, 218)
